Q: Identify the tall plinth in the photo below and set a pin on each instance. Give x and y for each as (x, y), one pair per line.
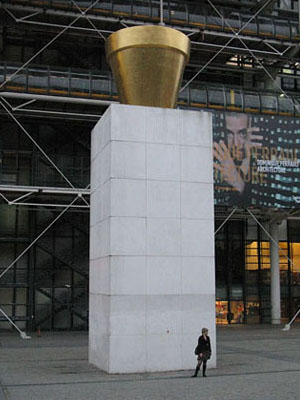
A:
(152, 274)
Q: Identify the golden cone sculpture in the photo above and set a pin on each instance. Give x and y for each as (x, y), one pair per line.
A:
(148, 63)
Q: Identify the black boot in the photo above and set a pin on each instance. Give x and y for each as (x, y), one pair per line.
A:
(204, 370)
(196, 372)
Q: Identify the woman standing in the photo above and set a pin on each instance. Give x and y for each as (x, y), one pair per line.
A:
(203, 350)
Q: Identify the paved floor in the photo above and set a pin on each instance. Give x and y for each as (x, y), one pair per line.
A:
(254, 362)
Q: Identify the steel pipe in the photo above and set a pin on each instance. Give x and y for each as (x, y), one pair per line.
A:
(59, 99)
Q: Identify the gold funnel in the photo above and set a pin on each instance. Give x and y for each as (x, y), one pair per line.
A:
(147, 64)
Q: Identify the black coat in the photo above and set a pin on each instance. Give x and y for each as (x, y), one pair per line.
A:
(204, 345)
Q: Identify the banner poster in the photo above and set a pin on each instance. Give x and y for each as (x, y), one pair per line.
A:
(256, 160)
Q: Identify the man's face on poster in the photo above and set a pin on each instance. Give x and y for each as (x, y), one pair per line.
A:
(237, 134)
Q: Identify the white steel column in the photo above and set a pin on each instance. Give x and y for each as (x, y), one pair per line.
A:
(275, 275)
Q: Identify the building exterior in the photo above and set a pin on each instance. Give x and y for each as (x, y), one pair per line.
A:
(55, 85)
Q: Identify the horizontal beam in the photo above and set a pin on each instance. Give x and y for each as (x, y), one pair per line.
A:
(59, 99)
(50, 205)
(44, 189)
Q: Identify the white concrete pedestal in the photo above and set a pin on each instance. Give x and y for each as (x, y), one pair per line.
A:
(152, 274)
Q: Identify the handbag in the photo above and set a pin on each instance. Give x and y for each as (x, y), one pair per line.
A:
(197, 350)
(206, 355)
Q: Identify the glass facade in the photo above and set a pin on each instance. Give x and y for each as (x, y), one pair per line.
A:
(243, 277)
(47, 288)
(230, 261)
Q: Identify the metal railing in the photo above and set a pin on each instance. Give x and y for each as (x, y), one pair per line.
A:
(90, 85)
(183, 14)
(43, 80)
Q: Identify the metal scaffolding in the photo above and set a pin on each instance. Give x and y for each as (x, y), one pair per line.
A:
(241, 42)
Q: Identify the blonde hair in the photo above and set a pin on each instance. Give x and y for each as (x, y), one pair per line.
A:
(204, 330)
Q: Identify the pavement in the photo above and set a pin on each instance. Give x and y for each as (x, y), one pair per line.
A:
(254, 362)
